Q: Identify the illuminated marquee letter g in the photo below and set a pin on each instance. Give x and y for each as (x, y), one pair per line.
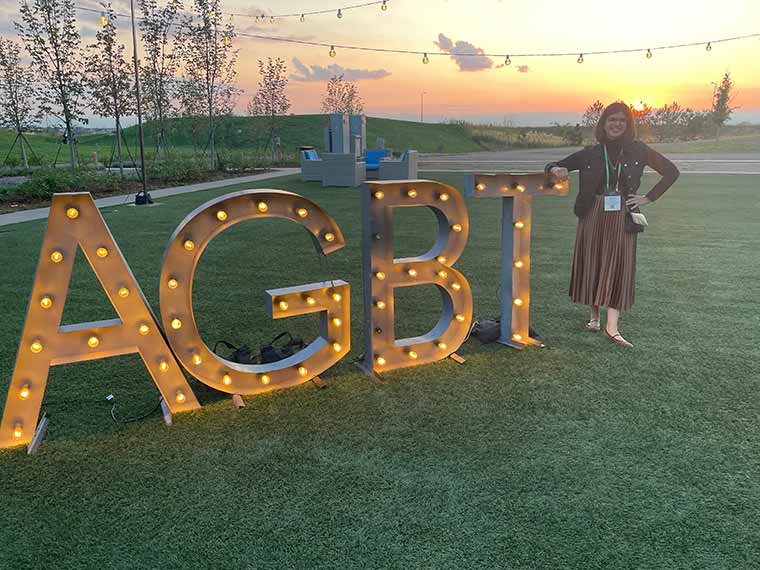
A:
(382, 273)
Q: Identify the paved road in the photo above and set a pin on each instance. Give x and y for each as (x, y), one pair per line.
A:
(535, 159)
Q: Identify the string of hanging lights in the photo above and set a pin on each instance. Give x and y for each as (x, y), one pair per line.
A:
(333, 48)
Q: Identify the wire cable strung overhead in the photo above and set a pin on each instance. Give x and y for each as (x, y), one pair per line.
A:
(302, 15)
(580, 54)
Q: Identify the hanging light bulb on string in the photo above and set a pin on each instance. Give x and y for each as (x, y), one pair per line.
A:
(103, 20)
(507, 61)
(384, 6)
(649, 54)
(332, 51)
(339, 14)
(271, 19)
(580, 58)
(302, 17)
(227, 40)
(708, 47)
(425, 58)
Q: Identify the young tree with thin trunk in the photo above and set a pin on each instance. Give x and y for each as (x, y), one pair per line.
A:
(161, 60)
(342, 96)
(50, 35)
(109, 78)
(208, 60)
(721, 105)
(270, 100)
(16, 93)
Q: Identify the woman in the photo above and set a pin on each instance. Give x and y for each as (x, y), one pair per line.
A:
(604, 261)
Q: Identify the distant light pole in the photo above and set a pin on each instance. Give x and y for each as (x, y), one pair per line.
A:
(146, 196)
(715, 86)
(422, 106)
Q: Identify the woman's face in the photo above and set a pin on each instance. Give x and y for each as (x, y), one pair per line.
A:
(615, 125)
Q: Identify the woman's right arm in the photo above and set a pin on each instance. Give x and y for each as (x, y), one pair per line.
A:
(567, 164)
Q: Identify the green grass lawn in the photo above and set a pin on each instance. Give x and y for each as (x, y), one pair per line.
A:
(580, 455)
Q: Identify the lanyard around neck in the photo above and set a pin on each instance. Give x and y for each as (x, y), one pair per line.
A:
(607, 170)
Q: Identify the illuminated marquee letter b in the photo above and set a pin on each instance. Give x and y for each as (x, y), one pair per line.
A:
(383, 273)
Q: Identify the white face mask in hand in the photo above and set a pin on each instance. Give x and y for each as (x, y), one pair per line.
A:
(639, 219)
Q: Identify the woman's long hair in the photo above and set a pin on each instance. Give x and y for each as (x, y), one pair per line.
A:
(617, 107)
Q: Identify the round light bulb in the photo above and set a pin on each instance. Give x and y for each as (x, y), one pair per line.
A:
(311, 301)
(456, 286)
(332, 51)
(143, 329)
(302, 371)
(221, 215)
(440, 259)
(380, 360)
(443, 197)
(380, 275)
(380, 304)
(302, 212)
(189, 245)
(337, 297)
(262, 206)
(24, 392)
(412, 272)
(46, 302)
(457, 227)
(460, 317)
(480, 187)
(425, 59)
(337, 322)
(123, 292)
(176, 324)
(56, 257)
(379, 195)
(93, 342)
(519, 225)
(72, 213)
(18, 431)
(180, 397)
(197, 360)
(412, 354)
(283, 305)
(172, 283)
(520, 188)
(226, 379)
(101, 252)
(36, 347)
(265, 379)
(337, 347)
(519, 264)
(163, 366)
(329, 236)
(411, 193)
(442, 274)
(442, 345)
(518, 302)
(517, 337)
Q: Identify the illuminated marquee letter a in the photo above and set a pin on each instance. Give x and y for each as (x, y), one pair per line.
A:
(75, 220)
(382, 273)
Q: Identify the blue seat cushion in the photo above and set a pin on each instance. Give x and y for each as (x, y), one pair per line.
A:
(311, 155)
(373, 157)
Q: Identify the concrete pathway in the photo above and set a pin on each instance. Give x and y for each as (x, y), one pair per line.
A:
(41, 213)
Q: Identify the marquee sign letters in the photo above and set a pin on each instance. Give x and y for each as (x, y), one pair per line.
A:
(75, 222)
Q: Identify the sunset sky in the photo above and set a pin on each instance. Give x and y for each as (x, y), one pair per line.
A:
(531, 89)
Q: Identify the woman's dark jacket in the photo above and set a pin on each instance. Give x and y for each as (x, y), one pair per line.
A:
(636, 155)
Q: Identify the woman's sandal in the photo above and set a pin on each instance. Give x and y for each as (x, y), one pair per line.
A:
(593, 325)
(618, 339)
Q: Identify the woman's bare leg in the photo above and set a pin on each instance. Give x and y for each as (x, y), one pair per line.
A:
(613, 316)
(594, 312)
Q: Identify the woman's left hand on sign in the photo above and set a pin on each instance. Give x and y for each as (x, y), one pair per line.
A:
(637, 201)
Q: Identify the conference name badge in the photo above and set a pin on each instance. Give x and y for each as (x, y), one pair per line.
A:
(612, 202)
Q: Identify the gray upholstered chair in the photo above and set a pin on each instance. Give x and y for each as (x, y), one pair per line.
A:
(403, 169)
(340, 169)
(311, 166)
